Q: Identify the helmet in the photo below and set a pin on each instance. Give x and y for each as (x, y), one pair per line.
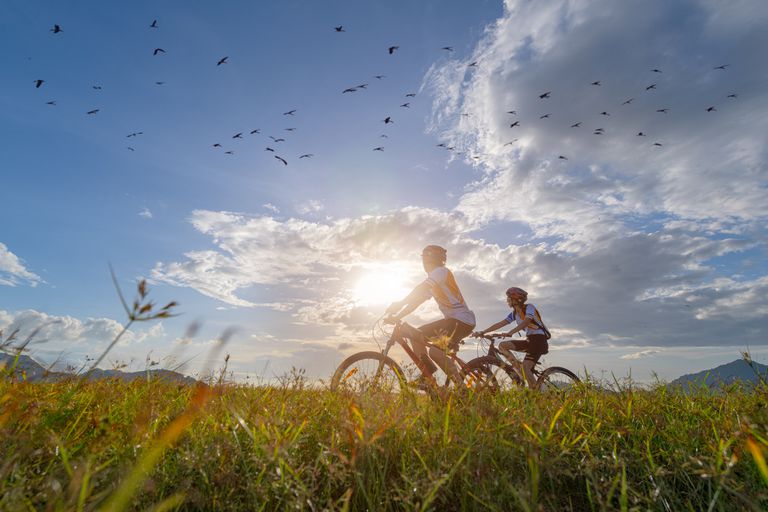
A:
(517, 293)
(434, 253)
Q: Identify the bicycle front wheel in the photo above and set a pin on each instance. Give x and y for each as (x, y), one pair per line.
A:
(556, 378)
(490, 374)
(367, 372)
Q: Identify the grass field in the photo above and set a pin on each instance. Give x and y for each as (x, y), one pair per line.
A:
(110, 445)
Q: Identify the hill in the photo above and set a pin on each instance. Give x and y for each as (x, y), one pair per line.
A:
(723, 375)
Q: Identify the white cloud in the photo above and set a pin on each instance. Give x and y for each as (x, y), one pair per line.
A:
(271, 207)
(145, 213)
(641, 354)
(12, 270)
(311, 206)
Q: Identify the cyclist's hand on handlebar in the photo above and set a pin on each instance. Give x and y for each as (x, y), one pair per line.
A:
(389, 319)
(478, 334)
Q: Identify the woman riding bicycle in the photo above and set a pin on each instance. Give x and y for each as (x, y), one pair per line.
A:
(458, 320)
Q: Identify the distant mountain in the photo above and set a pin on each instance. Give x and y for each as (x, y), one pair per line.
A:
(29, 369)
(738, 370)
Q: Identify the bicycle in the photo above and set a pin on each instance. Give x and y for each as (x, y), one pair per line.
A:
(376, 371)
(504, 371)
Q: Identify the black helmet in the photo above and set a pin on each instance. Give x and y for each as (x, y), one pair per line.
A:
(517, 293)
(434, 253)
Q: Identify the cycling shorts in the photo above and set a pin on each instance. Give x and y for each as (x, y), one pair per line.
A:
(456, 330)
(534, 346)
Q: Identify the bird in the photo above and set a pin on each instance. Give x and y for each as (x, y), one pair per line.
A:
(50, 103)
(410, 95)
(307, 155)
(441, 145)
(734, 96)
(340, 28)
(406, 105)
(630, 100)
(153, 24)
(561, 157)
(90, 112)
(217, 145)
(599, 129)
(640, 134)
(289, 113)
(362, 86)
(472, 64)
(379, 148)
(663, 110)
(392, 49)
(158, 50)
(596, 82)
(722, 67)
(96, 87)
(159, 83)
(576, 125)
(598, 133)
(351, 89)
(129, 148)
(447, 48)
(134, 134)
(383, 136)
(544, 116)
(269, 149)
(657, 144)
(281, 159)
(379, 76)
(652, 86)
(656, 70)
(513, 112)
(222, 60)
(711, 109)
(276, 140)
(56, 29)
(238, 135)
(229, 152)
(387, 120)
(511, 142)
(545, 95)
(38, 83)
(516, 123)
(253, 132)
(604, 114)
(290, 129)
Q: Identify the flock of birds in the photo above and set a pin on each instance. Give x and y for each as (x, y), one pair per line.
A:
(275, 141)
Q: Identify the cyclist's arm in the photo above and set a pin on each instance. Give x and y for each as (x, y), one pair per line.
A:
(497, 325)
(414, 299)
(522, 325)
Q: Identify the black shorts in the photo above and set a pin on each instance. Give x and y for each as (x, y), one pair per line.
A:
(450, 327)
(534, 346)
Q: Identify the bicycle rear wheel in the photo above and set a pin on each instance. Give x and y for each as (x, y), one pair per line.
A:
(367, 372)
(490, 374)
(556, 378)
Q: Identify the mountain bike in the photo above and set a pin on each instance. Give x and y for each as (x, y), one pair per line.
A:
(502, 371)
(376, 371)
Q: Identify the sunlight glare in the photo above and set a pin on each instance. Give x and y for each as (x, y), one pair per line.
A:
(381, 286)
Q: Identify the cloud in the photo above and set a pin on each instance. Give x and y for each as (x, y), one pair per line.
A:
(145, 213)
(312, 206)
(271, 207)
(12, 270)
(641, 354)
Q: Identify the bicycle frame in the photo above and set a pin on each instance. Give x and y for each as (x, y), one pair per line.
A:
(514, 362)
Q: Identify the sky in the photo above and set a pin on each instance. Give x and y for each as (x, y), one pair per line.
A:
(630, 201)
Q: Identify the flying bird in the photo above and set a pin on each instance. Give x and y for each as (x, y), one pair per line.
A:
(229, 152)
(255, 131)
(379, 76)
(96, 87)
(604, 114)
(153, 24)
(90, 112)
(290, 129)
(545, 95)
(281, 159)
(129, 148)
(663, 110)
(134, 134)
(50, 103)
(289, 113)
(269, 149)
(447, 48)
(56, 29)
(561, 157)
(217, 145)
(640, 134)
(576, 125)
(656, 70)
(340, 28)
(656, 144)
(38, 83)
(380, 148)
(513, 112)
(630, 100)
(472, 64)
(307, 155)
(392, 49)
(384, 136)
(238, 135)
(544, 116)
(406, 105)
(511, 142)
(442, 145)
(711, 109)
(276, 140)
(516, 123)
(410, 95)
(732, 96)
(351, 89)
(596, 83)
(158, 50)
(362, 86)
(722, 67)
(159, 83)
(652, 86)
(387, 120)
(223, 60)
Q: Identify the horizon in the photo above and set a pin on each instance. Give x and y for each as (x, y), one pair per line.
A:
(630, 199)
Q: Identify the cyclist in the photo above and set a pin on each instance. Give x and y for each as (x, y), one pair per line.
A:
(527, 317)
(458, 320)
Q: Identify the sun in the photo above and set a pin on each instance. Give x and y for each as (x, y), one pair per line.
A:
(381, 287)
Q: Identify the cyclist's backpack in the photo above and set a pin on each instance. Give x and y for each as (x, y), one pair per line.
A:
(538, 321)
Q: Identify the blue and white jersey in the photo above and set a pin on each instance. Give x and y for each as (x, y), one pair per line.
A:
(530, 312)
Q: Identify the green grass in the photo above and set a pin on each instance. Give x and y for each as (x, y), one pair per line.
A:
(113, 445)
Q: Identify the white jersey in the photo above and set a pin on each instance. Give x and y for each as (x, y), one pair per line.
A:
(445, 291)
(530, 312)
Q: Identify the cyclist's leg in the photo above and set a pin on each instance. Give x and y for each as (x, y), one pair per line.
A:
(418, 338)
(455, 331)
(536, 347)
(522, 369)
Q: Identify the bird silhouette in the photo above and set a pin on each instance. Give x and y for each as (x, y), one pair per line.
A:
(96, 87)
(50, 103)
(604, 114)
(711, 109)
(56, 29)
(657, 144)
(652, 86)
(734, 96)
(281, 159)
(447, 48)
(544, 116)
(340, 28)
(134, 134)
(511, 142)
(656, 70)
(722, 67)
(269, 149)
(516, 123)
(442, 145)
(513, 112)
(630, 100)
(38, 83)
(276, 140)
(406, 105)
(383, 136)
(663, 110)
(387, 120)
(561, 157)
(91, 112)
(253, 132)
(640, 134)
(289, 113)
(596, 83)
(576, 125)
(222, 60)
(545, 95)
(472, 64)
(307, 155)
(351, 89)
(379, 76)
(129, 148)
(153, 24)
(229, 152)
(159, 83)
(410, 95)
(392, 49)
(290, 129)
(217, 145)
(362, 86)
(158, 50)
(238, 135)
(379, 148)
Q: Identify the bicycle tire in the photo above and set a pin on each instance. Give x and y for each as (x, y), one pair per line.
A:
(357, 374)
(491, 374)
(556, 378)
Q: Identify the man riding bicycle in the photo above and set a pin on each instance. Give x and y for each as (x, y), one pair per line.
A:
(458, 321)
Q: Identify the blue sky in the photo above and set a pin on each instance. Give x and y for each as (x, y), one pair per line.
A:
(664, 246)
